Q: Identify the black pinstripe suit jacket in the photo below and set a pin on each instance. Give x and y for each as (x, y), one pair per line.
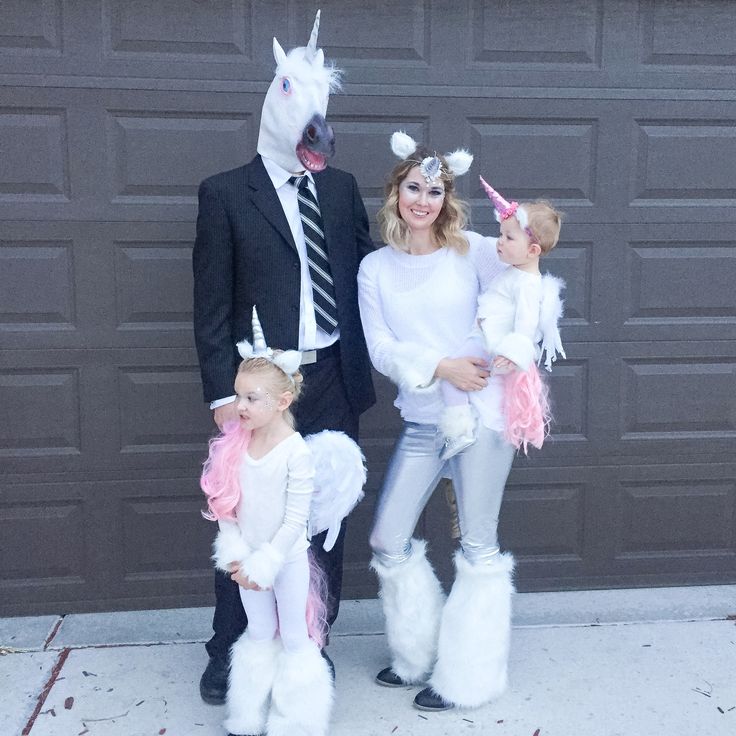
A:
(244, 254)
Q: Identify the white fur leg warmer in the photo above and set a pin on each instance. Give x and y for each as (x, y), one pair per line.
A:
(412, 604)
(302, 694)
(252, 671)
(473, 650)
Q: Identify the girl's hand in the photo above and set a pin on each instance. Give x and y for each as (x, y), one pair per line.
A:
(467, 374)
(242, 580)
(503, 365)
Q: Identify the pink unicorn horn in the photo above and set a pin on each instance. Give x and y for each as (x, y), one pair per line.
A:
(504, 209)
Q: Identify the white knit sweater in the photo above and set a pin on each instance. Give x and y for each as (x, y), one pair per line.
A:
(417, 310)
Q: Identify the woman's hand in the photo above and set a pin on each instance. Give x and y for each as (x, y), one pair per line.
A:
(242, 580)
(467, 374)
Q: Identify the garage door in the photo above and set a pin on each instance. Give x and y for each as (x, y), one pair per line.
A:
(111, 112)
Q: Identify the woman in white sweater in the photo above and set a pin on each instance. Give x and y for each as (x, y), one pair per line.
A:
(418, 300)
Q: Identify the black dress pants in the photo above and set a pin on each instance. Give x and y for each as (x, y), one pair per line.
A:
(323, 404)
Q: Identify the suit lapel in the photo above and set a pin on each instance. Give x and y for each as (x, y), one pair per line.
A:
(264, 197)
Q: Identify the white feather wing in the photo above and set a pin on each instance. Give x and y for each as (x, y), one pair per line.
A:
(550, 314)
(339, 477)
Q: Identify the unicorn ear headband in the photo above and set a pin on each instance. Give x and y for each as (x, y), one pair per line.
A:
(505, 209)
(289, 361)
(430, 167)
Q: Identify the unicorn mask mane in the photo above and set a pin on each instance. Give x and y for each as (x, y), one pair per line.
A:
(294, 132)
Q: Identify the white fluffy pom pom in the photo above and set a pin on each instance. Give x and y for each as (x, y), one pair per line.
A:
(459, 161)
(402, 145)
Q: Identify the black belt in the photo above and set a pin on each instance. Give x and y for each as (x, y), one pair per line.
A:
(314, 356)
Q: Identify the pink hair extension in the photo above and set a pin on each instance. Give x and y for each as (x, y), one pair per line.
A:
(526, 408)
(220, 474)
(317, 602)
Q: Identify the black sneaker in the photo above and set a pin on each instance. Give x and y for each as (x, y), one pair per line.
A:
(388, 678)
(428, 699)
(213, 684)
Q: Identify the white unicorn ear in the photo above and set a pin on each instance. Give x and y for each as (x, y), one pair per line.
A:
(402, 145)
(459, 161)
(245, 349)
(319, 58)
(278, 52)
(289, 361)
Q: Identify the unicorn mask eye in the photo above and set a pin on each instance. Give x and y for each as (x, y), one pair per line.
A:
(286, 85)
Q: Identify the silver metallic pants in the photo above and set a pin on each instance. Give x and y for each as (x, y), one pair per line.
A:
(479, 475)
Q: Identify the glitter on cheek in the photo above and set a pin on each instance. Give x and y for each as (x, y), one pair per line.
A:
(269, 403)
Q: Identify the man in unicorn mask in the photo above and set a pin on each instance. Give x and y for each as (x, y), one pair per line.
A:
(286, 234)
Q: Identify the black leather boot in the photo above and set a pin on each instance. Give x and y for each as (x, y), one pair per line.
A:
(213, 683)
(428, 699)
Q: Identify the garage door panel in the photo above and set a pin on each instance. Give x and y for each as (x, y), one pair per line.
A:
(688, 398)
(112, 112)
(680, 287)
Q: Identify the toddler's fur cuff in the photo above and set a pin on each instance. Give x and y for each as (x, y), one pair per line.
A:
(263, 565)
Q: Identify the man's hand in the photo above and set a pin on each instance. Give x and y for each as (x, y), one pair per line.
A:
(225, 413)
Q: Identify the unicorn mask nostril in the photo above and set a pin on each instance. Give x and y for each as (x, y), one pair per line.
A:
(318, 136)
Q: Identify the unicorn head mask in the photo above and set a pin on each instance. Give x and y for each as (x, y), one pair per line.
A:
(294, 132)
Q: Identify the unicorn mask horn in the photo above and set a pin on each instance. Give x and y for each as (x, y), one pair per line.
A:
(294, 132)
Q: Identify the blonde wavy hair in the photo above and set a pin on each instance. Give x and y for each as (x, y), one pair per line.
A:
(451, 221)
(279, 380)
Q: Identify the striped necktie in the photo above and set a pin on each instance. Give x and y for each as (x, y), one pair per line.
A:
(323, 289)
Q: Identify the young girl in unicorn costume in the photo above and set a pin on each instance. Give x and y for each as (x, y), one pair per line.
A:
(418, 302)
(517, 323)
(270, 490)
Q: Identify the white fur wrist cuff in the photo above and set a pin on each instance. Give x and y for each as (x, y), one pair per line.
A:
(263, 565)
(229, 547)
(518, 349)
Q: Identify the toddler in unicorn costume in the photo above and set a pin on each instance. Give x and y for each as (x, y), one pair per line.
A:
(517, 323)
(271, 490)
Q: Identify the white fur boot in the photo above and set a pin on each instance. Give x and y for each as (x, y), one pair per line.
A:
(252, 670)
(473, 651)
(457, 424)
(303, 690)
(412, 604)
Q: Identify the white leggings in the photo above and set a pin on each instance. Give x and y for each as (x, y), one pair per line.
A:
(282, 609)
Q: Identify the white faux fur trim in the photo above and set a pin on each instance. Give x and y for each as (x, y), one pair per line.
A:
(412, 604)
(459, 161)
(402, 144)
(457, 421)
(229, 546)
(475, 633)
(517, 348)
(412, 366)
(302, 695)
(263, 565)
(252, 671)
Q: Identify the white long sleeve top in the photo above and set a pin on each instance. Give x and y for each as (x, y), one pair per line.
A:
(417, 310)
(508, 313)
(275, 496)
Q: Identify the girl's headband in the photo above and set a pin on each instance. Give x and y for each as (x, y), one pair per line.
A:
(504, 209)
(430, 167)
(288, 361)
